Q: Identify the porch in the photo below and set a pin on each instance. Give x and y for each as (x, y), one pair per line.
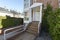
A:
(19, 33)
(24, 36)
(33, 13)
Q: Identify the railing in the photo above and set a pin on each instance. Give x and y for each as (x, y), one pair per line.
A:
(39, 27)
(15, 32)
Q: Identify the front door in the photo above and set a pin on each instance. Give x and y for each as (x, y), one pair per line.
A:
(36, 16)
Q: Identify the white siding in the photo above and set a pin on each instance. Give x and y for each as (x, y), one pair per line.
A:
(26, 4)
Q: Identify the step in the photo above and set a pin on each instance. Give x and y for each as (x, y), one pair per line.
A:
(34, 23)
(30, 29)
(32, 32)
(33, 28)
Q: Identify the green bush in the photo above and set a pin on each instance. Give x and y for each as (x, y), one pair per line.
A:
(10, 22)
(2, 17)
(54, 22)
(52, 19)
(45, 24)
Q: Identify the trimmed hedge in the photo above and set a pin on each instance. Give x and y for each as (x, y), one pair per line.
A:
(2, 17)
(11, 21)
(54, 22)
(52, 19)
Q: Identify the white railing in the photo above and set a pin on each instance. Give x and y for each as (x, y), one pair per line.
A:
(15, 32)
(39, 27)
(25, 27)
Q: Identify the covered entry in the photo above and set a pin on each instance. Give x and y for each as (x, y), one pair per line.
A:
(36, 14)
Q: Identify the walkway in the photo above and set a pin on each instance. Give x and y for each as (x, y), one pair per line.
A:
(23, 36)
(28, 36)
(44, 36)
(1, 37)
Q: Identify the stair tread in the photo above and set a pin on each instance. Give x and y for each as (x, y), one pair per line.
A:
(33, 27)
(32, 32)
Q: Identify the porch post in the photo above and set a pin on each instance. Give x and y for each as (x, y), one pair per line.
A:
(41, 14)
(39, 28)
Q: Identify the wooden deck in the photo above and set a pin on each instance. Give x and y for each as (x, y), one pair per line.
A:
(23, 36)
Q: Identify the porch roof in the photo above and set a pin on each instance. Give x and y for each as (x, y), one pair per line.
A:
(36, 4)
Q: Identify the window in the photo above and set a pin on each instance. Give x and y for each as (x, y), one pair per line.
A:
(26, 3)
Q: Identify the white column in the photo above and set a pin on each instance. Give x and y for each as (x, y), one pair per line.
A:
(41, 14)
(40, 19)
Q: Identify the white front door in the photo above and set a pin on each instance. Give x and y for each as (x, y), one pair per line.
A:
(36, 16)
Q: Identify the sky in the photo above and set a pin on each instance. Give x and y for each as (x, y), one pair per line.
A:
(16, 5)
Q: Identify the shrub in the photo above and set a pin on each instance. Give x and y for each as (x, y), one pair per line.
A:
(54, 22)
(2, 17)
(10, 22)
(46, 11)
(52, 19)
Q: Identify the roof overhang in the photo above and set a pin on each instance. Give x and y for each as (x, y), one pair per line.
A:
(35, 5)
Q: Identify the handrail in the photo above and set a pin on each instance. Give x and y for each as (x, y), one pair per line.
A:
(38, 27)
(13, 28)
(25, 26)
(10, 29)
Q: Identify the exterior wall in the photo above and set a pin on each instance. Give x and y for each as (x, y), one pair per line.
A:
(26, 3)
(54, 3)
(26, 11)
(26, 17)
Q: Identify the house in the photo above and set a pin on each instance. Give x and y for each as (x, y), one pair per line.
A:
(32, 15)
(33, 12)
(11, 13)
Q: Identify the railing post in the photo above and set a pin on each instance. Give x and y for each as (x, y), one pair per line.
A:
(5, 38)
(4, 35)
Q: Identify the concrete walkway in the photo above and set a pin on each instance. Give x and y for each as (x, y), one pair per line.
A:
(23, 36)
(28, 36)
(1, 37)
(44, 36)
